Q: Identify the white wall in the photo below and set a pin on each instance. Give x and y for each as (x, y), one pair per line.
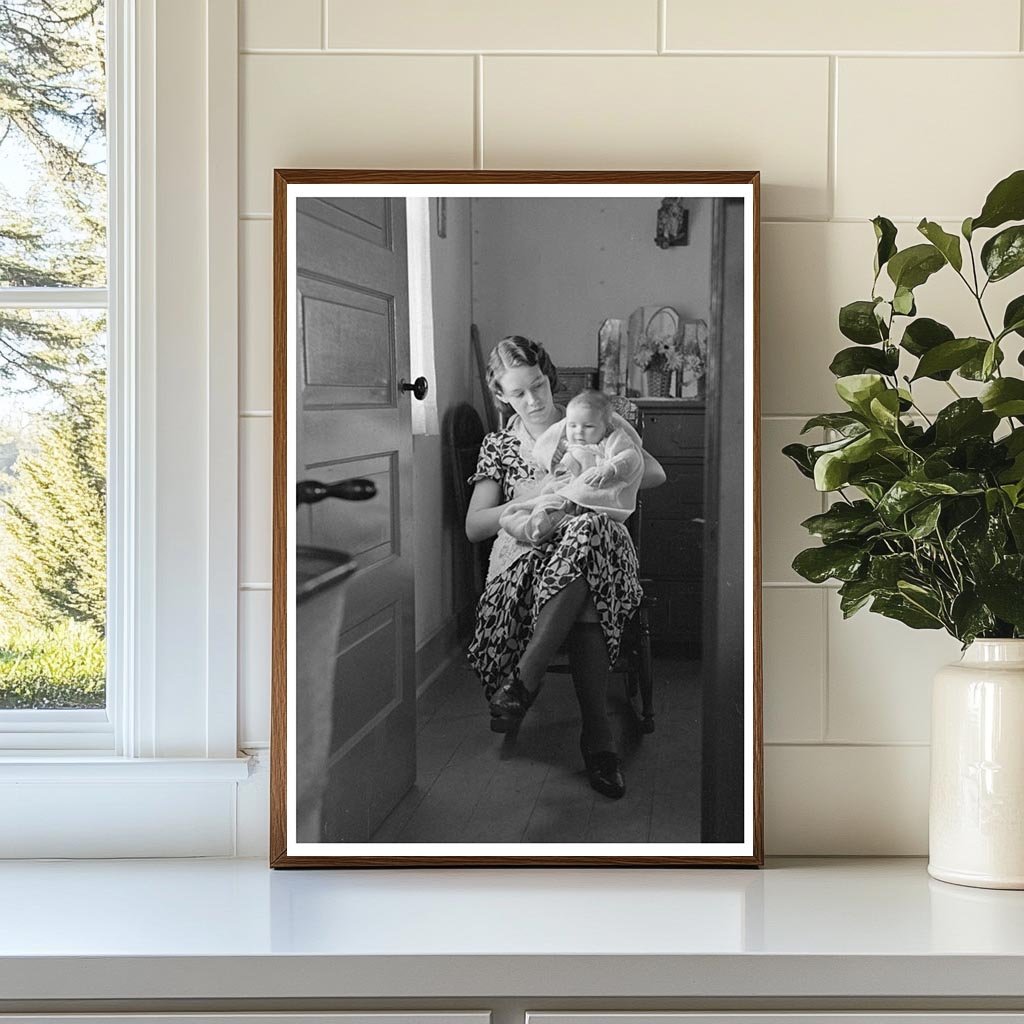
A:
(555, 269)
(910, 110)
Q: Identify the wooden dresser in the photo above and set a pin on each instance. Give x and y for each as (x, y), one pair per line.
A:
(672, 526)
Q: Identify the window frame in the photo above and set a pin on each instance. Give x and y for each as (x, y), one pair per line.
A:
(93, 729)
(170, 149)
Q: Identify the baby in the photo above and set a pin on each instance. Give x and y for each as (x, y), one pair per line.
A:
(594, 462)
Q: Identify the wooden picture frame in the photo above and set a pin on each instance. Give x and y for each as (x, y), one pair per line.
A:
(341, 692)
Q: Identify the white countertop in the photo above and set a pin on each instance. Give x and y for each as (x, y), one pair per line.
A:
(234, 929)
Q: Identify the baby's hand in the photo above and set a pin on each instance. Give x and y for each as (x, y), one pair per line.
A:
(598, 476)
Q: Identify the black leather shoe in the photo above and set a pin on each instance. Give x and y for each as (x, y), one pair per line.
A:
(511, 700)
(604, 769)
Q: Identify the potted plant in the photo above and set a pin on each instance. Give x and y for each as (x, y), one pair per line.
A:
(927, 521)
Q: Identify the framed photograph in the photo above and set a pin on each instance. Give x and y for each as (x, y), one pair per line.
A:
(536, 645)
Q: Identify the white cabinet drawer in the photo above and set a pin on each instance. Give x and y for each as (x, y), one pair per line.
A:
(788, 1017)
(358, 1017)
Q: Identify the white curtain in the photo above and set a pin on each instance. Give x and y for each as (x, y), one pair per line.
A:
(421, 314)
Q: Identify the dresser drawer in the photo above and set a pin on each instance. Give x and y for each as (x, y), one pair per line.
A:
(684, 486)
(674, 432)
(672, 547)
(675, 616)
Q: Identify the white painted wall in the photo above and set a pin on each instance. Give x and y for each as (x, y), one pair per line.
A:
(802, 92)
(554, 269)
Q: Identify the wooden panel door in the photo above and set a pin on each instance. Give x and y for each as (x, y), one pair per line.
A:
(353, 420)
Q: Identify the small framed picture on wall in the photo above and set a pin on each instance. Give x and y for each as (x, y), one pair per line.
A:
(516, 611)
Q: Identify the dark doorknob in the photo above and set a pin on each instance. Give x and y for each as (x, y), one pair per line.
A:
(309, 492)
(419, 387)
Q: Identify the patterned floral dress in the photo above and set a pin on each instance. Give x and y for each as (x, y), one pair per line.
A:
(521, 578)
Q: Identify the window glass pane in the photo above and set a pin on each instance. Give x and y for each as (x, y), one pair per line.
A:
(53, 447)
(53, 149)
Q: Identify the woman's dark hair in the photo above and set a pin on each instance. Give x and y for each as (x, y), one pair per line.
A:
(518, 351)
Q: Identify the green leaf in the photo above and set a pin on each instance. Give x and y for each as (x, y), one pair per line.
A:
(947, 244)
(990, 360)
(966, 417)
(842, 521)
(858, 389)
(1005, 202)
(831, 471)
(850, 361)
(974, 368)
(923, 335)
(906, 494)
(981, 537)
(857, 321)
(963, 482)
(872, 491)
(965, 229)
(864, 447)
(1004, 397)
(887, 570)
(885, 236)
(799, 455)
(1006, 599)
(1013, 317)
(1003, 254)
(970, 617)
(903, 302)
(1014, 441)
(1015, 519)
(885, 409)
(912, 267)
(882, 471)
(925, 518)
(841, 421)
(949, 355)
(994, 498)
(855, 594)
(817, 450)
(840, 561)
(899, 608)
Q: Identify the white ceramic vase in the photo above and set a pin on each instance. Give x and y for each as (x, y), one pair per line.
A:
(976, 811)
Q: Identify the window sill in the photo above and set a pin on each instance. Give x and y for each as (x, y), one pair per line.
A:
(75, 766)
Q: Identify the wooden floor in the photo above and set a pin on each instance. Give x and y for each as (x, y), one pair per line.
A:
(474, 785)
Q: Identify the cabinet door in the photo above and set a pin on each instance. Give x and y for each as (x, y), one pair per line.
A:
(359, 1017)
(674, 433)
(785, 1017)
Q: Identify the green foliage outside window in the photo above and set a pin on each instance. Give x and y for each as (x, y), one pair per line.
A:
(52, 364)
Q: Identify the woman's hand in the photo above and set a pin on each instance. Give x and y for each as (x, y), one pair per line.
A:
(486, 509)
(654, 474)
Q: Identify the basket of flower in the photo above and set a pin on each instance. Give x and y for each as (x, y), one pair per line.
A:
(658, 352)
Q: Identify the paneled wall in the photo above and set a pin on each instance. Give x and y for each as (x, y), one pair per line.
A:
(909, 110)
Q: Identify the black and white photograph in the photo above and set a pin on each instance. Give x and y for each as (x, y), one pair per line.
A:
(516, 563)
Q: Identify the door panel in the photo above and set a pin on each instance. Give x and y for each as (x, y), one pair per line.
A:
(346, 345)
(353, 333)
(367, 530)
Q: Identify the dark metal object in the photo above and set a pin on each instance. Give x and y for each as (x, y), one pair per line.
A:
(673, 224)
(309, 492)
(419, 387)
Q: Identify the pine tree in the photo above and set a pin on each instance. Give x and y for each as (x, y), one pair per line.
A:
(53, 520)
(52, 120)
(53, 234)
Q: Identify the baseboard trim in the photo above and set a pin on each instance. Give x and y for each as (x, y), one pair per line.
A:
(440, 649)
